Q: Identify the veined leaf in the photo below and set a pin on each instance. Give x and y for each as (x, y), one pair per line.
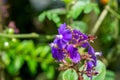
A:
(69, 74)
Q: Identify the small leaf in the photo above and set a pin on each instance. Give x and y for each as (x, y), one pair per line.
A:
(96, 9)
(15, 65)
(18, 62)
(79, 25)
(37, 51)
(88, 8)
(32, 64)
(50, 72)
(59, 11)
(49, 15)
(55, 18)
(44, 51)
(69, 74)
(41, 17)
(44, 66)
(5, 58)
(67, 1)
(110, 75)
(77, 9)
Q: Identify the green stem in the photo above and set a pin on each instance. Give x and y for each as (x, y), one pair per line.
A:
(100, 20)
(113, 12)
(31, 35)
(1, 26)
(116, 34)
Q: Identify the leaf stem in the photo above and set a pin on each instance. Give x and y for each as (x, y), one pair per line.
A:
(31, 35)
(100, 20)
(113, 12)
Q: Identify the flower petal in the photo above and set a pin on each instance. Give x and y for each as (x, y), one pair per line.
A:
(91, 50)
(57, 54)
(74, 55)
(62, 28)
(67, 36)
(89, 65)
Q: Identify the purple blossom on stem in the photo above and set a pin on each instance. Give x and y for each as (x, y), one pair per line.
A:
(64, 34)
(67, 44)
(74, 54)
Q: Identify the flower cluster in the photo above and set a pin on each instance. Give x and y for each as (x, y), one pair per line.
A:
(66, 46)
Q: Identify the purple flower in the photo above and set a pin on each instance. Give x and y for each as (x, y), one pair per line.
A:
(64, 34)
(78, 37)
(57, 53)
(60, 44)
(66, 45)
(89, 65)
(85, 45)
(91, 50)
(74, 54)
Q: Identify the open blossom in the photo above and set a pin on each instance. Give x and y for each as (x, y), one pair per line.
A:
(64, 34)
(66, 45)
(74, 54)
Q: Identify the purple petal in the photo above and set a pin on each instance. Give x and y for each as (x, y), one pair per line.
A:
(60, 43)
(89, 65)
(76, 34)
(85, 45)
(57, 54)
(94, 60)
(67, 36)
(62, 28)
(74, 55)
(91, 50)
(71, 49)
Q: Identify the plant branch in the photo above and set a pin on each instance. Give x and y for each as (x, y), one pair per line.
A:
(31, 35)
(1, 26)
(116, 27)
(100, 20)
(113, 12)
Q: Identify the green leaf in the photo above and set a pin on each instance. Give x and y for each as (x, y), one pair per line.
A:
(41, 17)
(15, 65)
(69, 74)
(32, 64)
(101, 70)
(50, 72)
(44, 51)
(79, 25)
(55, 18)
(77, 9)
(67, 1)
(44, 66)
(96, 9)
(5, 58)
(38, 51)
(88, 8)
(110, 75)
(58, 11)
(18, 62)
(49, 15)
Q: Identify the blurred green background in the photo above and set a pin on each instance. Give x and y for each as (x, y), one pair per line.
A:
(28, 26)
